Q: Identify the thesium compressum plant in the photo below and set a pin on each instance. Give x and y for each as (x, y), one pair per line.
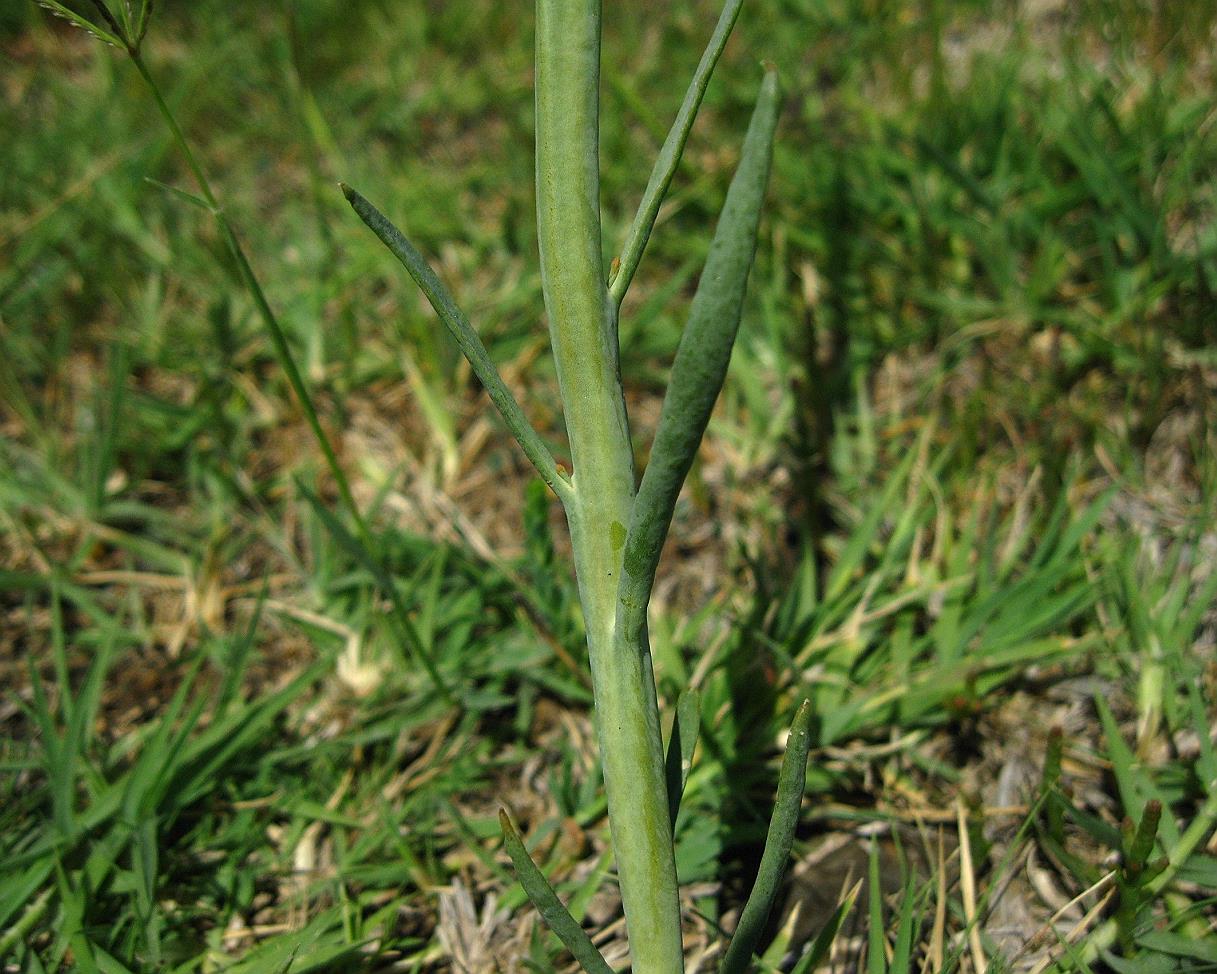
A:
(617, 523)
(264, 699)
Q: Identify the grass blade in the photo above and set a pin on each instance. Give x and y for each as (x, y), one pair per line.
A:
(192, 198)
(777, 846)
(245, 270)
(364, 556)
(543, 897)
(71, 928)
(465, 337)
(828, 933)
(1135, 785)
(680, 748)
(702, 358)
(876, 940)
(908, 924)
(669, 154)
(20, 930)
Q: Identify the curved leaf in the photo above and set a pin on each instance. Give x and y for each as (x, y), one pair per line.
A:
(543, 897)
(466, 338)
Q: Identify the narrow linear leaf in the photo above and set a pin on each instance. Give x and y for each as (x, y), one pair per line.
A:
(1206, 763)
(126, 18)
(669, 154)
(144, 856)
(1135, 785)
(59, 759)
(201, 763)
(702, 358)
(908, 925)
(71, 925)
(145, 16)
(191, 198)
(679, 758)
(1178, 945)
(472, 841)
(154, 768)
(84, 710)
(777, 846)
(32, 916)
(543, 897)
(270, 322)
(109, 965)
(1197, 831)
(466, 338)
(104, 11)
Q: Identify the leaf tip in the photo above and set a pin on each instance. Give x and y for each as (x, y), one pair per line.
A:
(771, 83)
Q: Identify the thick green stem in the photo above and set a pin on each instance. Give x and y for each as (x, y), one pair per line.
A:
(582, 323)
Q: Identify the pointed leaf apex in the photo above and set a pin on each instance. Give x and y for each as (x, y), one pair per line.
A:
(771, 83)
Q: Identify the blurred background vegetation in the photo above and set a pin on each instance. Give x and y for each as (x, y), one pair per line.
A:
(959, 489)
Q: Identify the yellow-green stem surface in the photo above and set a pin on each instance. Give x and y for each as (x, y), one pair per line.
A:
(583, 332)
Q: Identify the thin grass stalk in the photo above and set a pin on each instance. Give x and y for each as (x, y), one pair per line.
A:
(282, 351)
(250, 280)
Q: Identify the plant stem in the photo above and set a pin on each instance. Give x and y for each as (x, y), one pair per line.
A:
(29, 919)
(582, 323)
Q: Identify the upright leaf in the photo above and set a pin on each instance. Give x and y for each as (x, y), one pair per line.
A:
(669, 154)
(702, 358)
(777, 846)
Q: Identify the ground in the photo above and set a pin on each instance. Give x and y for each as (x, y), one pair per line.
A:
(959, 491)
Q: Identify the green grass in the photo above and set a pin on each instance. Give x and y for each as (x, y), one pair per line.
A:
(959, 490)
